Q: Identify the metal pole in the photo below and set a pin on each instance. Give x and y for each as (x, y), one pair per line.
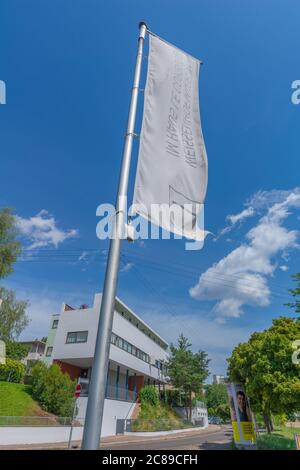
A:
(72, 423)
(94, 413)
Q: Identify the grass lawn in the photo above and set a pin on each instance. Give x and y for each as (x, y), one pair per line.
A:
(158, 418)
(282, 438)
(16, 400)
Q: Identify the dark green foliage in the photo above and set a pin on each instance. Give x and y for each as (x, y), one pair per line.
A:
(187, 370)
(53, 389)
(16, 350)
(296, 294)
(216, 400)
(10, 247)
(264, 365)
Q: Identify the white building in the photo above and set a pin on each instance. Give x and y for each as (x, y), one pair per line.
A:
(136, 356)
(36, 351)
(219, 379)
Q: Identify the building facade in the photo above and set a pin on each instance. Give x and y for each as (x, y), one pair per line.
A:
(36, 351)
(219, 379)
(136, 358)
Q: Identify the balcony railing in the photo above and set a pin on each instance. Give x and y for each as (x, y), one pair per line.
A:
(120, 393)
(112, 392)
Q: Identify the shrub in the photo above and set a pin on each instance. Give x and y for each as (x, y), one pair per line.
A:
(12, 371)
(38, 374)
(149, 396)
(16, 350)
(53, 389)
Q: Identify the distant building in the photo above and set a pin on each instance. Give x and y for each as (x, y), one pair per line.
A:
(36, 351)
(219, 379)
(136, 356)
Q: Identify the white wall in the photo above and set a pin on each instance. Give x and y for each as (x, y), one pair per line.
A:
(198, 414)
(10, 435)
(75, 320)
(113, 410)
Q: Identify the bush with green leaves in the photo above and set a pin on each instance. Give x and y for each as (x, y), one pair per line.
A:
(16, 350)
(149, 396)
(53, 389)
(12, 371)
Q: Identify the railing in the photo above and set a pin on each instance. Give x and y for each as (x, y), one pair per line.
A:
(39, 421)
(112, 391)
(120, 393)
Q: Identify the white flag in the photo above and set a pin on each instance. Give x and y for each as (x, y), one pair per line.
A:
(172, 163)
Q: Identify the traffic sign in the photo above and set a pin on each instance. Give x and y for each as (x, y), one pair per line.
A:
(77, 390)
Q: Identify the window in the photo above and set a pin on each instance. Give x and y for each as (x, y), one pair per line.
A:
(77, 337)
(120, 343)
(49, 351)
(54, 324)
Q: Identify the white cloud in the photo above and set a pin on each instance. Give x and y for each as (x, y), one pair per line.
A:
(284, 268)
(83, 256)
(234, 219)
(42, 231)
(127, 267)
(240, 278)
(265, 199)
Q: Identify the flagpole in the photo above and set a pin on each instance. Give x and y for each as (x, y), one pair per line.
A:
(95, 405)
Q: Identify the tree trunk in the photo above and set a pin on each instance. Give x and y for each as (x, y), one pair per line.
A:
(267, 421)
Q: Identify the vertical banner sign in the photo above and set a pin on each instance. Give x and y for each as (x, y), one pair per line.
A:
(241, 416)
(172, 166)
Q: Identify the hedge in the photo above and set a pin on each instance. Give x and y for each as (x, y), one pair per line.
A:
(12, 371)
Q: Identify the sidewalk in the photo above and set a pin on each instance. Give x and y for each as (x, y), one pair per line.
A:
(119, 439)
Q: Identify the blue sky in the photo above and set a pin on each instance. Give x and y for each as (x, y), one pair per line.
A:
(68, 68)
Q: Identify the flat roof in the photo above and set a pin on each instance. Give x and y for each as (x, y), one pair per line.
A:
(163, 341)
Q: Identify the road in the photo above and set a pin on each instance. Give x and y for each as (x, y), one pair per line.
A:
(217, 440)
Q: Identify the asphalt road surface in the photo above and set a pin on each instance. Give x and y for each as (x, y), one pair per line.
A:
(218, 440)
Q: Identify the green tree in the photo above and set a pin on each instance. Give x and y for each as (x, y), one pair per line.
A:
(13, 317)
(216, 400)
(187, 370)
(10, 247)
(296, 294)
(264, 365)
(16, 350)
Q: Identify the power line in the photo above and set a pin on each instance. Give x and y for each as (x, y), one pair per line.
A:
(177, 269)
